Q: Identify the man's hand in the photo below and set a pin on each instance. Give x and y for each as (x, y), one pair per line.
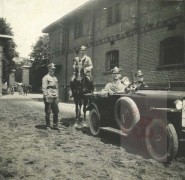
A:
(114, 89)
(46, 98)
(57, 100)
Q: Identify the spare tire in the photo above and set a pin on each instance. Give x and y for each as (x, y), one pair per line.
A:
(126, 114)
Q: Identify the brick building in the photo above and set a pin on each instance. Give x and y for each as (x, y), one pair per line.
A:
(132, 34)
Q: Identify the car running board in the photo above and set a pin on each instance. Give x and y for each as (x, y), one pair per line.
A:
(114, 130)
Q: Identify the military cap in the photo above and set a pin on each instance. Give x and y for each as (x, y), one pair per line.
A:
(139, 73)
(83, 48)
(116, 70)
(51, 66)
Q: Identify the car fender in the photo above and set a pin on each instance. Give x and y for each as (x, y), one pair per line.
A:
(92, 105)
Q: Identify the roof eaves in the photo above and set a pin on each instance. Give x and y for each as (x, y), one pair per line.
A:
(6, 36)
(49, 27)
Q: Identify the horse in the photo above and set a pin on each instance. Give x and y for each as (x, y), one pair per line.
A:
(82, 84)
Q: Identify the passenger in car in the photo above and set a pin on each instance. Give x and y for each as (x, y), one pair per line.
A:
(116, 86)
(139, 79)
(137, 84)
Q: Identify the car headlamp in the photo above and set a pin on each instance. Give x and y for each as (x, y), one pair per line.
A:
(178, 104)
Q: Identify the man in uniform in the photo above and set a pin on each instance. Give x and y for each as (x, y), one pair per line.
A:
(50, 96)
(116, 86)
(138, 83)
(139, 79)
(86, 63)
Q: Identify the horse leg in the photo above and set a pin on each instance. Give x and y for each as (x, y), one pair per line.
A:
(80, 106)
(76, 107)
(84, 107)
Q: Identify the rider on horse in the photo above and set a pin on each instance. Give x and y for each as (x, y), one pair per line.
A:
(86, 63)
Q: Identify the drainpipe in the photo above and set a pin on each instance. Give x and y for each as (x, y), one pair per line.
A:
(138, 34)
(66, 58)
(93, 28)
(93, 33)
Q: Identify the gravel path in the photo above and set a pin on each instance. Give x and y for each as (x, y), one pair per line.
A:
(28, 151)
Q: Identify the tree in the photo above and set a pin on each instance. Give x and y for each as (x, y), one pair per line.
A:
(40, 55)
(8, 50)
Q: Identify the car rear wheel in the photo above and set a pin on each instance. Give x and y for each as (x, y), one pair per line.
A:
(94, 122)
(161, 140)
(126, 114)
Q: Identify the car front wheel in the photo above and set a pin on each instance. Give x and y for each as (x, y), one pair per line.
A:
(161, 140)
(94, 122)
(126, 114)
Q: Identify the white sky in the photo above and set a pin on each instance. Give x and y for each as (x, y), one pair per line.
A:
(28, 17)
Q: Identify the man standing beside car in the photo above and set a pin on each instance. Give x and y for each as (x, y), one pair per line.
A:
(51, 97)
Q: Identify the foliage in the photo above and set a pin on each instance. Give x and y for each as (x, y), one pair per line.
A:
(40, 53)
(8, 49)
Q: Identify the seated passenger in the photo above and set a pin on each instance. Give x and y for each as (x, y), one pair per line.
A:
(139, 79)
(134, 86)
(116, 86)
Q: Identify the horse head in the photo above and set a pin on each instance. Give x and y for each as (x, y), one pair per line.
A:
(79, 71)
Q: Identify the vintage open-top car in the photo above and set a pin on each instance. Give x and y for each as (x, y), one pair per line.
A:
(154, 115)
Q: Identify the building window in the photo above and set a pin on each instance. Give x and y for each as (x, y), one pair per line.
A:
(168, 3)
(78, 29)
(112, 60)
(172, 51)
(113, 14)
(64, 39)
(117, 13)
(109, 16)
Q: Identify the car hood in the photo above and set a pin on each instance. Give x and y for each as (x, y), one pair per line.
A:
(161, 94)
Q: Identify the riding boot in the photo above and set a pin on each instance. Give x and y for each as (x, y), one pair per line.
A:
(55, 121)
(47, 118)
(72, 89)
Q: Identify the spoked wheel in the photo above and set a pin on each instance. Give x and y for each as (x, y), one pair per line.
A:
(126, 114)
(161, 140)
(94, 122)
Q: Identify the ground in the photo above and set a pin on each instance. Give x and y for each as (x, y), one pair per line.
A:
(28, 151)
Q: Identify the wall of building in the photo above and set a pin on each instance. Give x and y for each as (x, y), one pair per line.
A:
(12, 79)
(144, 24)
(25, 76)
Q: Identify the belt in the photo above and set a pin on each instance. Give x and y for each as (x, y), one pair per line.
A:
(52, 87)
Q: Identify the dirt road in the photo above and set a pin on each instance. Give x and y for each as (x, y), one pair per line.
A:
(28, 151)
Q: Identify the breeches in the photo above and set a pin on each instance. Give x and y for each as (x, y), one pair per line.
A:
(53, 106)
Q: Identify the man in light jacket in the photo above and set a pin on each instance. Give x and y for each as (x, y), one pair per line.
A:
(51, 96)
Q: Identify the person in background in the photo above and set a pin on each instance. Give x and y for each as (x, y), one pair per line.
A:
(25, 89)
(51, 97)
(116, 86)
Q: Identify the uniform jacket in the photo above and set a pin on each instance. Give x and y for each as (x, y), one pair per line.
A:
(86, 63)
(114, 87)
(50, 86)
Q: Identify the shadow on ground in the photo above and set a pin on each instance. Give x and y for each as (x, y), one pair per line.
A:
(131, 145)
(127, 143)
(40, 126)
(68, 121)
